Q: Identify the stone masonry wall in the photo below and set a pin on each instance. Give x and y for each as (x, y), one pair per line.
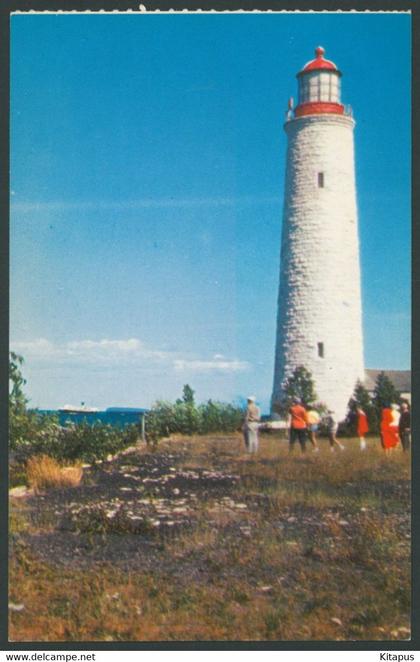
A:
(319, 295)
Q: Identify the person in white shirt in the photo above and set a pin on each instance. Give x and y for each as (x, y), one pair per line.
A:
(251, 425)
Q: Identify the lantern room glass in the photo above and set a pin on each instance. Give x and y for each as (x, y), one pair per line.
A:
(319, 86)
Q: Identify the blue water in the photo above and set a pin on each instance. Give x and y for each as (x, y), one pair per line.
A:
(118, 419)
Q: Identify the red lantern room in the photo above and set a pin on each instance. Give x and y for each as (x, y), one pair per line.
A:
(319, 87)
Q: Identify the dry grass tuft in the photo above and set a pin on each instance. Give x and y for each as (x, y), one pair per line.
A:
(45, 473)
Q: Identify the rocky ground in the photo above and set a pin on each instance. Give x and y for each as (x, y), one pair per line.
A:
(202, 513)
(125, 507)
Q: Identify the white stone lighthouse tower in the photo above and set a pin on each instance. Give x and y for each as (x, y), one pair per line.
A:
(319, 323)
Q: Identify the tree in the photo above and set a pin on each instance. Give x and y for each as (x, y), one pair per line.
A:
(26, 427)
(17, 399)
(188, 395)
(384, 393)
(186, 416)
(300, 385)
(362, 399)
(19, 418)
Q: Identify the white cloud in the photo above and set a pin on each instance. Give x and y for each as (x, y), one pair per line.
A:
(101, 352)
(40, 348)
(131, 345)
(218, 363)
(27, 206)
(130, 352)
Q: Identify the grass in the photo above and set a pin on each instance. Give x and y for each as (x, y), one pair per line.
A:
(320, 552)
(45, 473)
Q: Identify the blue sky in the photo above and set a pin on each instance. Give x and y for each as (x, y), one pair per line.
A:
(147, 168)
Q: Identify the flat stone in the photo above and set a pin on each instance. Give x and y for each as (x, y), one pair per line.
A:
(20, 492)
(16, 607)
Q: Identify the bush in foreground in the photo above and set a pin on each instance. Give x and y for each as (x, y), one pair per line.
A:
(78, 442)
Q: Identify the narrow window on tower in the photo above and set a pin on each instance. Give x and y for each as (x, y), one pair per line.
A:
(320, 180)
(321, 350)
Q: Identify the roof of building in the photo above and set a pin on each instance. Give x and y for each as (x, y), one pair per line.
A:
(320, 62)
(400, 378)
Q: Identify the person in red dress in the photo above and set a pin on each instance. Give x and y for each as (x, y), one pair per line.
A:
(362, 427)
(389, 428)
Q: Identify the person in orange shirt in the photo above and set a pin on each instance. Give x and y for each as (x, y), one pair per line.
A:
(362, 427)
(298, 427)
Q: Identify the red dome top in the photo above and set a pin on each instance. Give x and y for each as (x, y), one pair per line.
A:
(319, 62)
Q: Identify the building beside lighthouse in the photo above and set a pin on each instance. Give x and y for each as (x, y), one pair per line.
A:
(319, 323)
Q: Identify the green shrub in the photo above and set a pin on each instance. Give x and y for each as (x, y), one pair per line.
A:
(76, 442)
(32, 433)
(184, 417)
(219, 417)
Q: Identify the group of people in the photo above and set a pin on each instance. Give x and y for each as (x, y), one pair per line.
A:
(303, 423)
(396, 427)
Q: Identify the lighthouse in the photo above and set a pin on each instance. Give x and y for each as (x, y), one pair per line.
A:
(319, 319)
